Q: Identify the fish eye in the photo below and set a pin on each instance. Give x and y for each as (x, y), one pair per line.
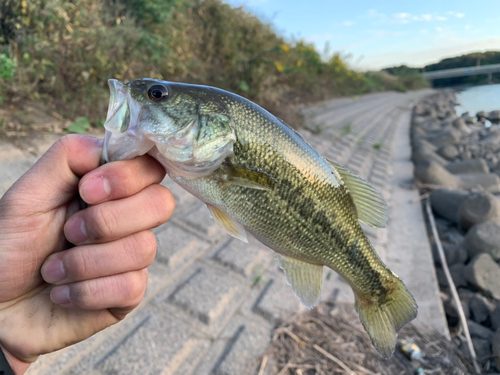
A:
(157, 92)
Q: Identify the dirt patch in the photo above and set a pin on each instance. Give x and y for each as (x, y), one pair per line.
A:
(27, 124)
(331, 340)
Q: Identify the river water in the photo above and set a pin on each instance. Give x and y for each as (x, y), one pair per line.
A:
(479, 98)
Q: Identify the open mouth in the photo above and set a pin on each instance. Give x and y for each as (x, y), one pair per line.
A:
(124, 137)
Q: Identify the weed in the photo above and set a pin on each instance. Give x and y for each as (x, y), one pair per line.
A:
(360, 140)
(79, 126)
(347, 129)
(378, 145)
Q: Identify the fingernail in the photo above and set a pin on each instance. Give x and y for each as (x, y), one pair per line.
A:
(53, 271)
(75, 230)
(60, 294)
(95, 190)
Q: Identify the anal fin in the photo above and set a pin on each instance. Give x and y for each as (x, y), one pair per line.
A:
(305, 279)
(232, 227)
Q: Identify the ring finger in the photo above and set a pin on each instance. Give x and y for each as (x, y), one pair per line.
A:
(87, 262)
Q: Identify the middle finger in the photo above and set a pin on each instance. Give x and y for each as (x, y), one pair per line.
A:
(109, 221)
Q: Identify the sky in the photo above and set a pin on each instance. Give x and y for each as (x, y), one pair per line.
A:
(376, 34)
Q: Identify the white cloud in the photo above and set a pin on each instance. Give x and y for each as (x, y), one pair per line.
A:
(343, 24)
(374, 14)
(456, 14)
(385, 33)
(424, 31)
(402, 16)
(423, 17)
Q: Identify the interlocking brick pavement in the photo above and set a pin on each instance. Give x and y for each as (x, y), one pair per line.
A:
(213, 301)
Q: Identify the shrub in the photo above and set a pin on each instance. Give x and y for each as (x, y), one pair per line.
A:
(64, 52)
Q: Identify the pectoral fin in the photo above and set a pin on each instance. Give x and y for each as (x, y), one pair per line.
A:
(232, 227)
(370, 205)
(244, 176)
(305, 279)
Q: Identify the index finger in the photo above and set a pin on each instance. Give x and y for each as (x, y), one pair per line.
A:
(120, 179)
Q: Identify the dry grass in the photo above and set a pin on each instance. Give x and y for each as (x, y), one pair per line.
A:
(331, 340)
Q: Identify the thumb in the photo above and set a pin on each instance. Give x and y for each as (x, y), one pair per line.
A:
(53, 180)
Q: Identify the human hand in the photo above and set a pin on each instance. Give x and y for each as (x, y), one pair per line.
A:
(54, 294)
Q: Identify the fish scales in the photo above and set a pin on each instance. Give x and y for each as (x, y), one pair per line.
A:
(258, 175)
(315, 219)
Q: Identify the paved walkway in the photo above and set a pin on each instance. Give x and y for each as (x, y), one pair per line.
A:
(213, 301)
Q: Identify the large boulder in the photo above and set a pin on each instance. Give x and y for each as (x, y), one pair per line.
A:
(455, 254)
(495, 318)
(444, 137)
(484, 273)
(469, 166)
(496, 348)
(494, 117)
(480, 308)
(449, 152)
(460, 124)
(489, 182)
(423, 153)
(478, 208)
(491, 139)
(422, 143)
(446, 203)
(431, 173)
(482, 347)
(481, 115)
(479, 331)
(484, 238)
(457, 272)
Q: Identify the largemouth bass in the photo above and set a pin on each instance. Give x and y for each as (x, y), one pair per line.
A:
(258, 176)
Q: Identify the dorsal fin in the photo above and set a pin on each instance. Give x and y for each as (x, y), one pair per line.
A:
(305, 279)
(370, 206)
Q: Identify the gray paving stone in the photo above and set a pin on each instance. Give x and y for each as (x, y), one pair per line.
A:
(158, 275)
(156, 344)
(238, 349)
(277, 301)
(206, 295)
(198, 220)
(245, 259)
(176, 246)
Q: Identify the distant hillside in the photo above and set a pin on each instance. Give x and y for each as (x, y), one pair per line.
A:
(471, 59)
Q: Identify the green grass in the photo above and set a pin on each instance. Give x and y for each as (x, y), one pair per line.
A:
(347, 129)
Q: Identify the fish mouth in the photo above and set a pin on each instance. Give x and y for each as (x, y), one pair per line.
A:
(123, 140)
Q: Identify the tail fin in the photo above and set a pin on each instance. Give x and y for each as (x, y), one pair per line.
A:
(383, 319)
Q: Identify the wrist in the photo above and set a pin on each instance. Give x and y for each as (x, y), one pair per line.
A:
(10, 365)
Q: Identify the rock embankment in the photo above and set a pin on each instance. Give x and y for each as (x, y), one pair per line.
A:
(458, 160)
